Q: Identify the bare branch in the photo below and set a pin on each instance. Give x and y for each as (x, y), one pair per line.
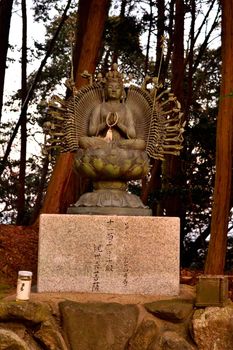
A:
(32, 87)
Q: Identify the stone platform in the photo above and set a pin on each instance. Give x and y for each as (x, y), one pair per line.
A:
(108, 254)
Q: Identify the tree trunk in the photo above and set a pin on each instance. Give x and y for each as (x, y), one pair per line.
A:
(123, 8)
(5, 18)
(154, 183)
(178, 52)
(160, 37)
(91, 20)
(23, 140)
(170, 37)
(173, 176)
(40, 191)
(215, 261)
(149, 38)
(189, 94)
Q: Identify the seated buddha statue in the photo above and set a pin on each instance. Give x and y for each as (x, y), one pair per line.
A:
(114, 135)
(112, 121)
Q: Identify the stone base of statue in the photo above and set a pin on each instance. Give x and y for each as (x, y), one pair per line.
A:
(108, 254)
(110, 169)
(110, 198)
(109, 211)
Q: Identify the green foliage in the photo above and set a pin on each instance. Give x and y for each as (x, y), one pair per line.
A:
(122, 35)
(122, 43)
(9, 182)
(199, 156)
(58, 67)
(44, 10)
(9, 190)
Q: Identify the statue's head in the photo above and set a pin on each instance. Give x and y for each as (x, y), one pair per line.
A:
(114, 84)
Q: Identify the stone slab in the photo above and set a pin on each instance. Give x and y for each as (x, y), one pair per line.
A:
(108, 254)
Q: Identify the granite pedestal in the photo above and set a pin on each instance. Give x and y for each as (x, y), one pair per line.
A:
(108, 254)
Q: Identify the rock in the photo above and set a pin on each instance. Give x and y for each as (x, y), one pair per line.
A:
(144, 335)
(173, 310)
(34, 312)
(15, 327)
(38, 317)
(171, 341)
(98, 326)
(22, 332)
(50, 338)
(10, 340)
(213, 328)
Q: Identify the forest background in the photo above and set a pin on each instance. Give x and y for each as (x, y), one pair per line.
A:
(179, 42)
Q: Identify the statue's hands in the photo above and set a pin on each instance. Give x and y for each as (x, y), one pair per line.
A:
(128, 130)
(123, 128)
(112, 119)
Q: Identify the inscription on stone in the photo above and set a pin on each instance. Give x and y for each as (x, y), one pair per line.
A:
(104, 264)
(125, 271)
(109, 254)
(109, 245)
(103, 254)
(96, 270)
(125, 259)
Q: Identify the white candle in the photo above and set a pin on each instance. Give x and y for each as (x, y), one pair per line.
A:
(24, 285)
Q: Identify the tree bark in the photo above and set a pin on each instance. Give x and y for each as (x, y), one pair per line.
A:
(178, 52)
(5, 19)
(23, 139)
(173, 176)
(215, 261)
(170, 37)
(160, 37)
(123, 8)
(149, 38)
(92, 14)
(40, 191)
(154, 182)
(189, 95)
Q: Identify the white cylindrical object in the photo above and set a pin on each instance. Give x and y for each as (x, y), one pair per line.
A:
(24, 285)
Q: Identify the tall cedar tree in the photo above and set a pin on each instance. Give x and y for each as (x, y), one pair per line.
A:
(5, 19)
(23, 139)
(62, 189)
(173, 175)
(155, 179)
(215, 261)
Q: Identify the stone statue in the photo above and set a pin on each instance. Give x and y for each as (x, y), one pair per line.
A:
(114, 133)
(112, 120)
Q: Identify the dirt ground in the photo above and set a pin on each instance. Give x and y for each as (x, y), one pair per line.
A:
(19, 251)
